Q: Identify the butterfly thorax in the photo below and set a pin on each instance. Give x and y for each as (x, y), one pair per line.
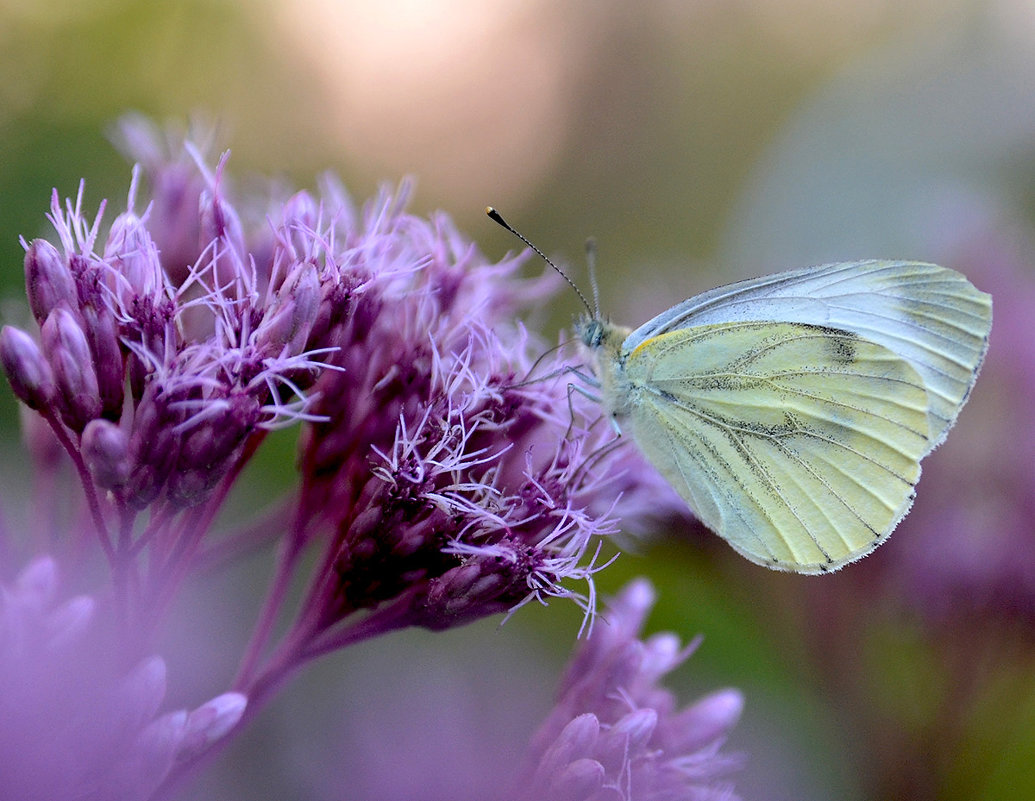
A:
(604, 343)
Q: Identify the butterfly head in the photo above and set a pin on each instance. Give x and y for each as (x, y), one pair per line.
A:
(599, 335)
(591, 331)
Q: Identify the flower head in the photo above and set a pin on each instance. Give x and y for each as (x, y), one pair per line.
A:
(456, 476)
(615, 734)
(210, 360)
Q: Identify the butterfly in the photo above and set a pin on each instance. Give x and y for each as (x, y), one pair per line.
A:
(791, 412)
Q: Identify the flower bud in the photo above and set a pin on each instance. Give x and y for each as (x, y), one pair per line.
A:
(299, 217)
(69, 353)
(36, 584)
(105, 448)
(70, 621)
(221, 226)
(630, 734)
(211, 721)
(301, 210)
(219, 220)
(48, 281)
(465, 593)
(576, 740)
(285, 328)
(580, 780)
(210, 448)
(153, 447)
(161, 739)
(102, 334)
(133, 258)
(31, 377)
(143, 689)
(708, 719)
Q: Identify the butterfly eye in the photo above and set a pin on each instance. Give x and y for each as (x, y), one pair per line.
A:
(591, 331)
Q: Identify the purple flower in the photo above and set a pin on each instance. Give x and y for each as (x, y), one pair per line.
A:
(447, 471)
(615, 734)
(970, 551)
(77, 719)
(206, 365)
(451, 477)
(30, 373)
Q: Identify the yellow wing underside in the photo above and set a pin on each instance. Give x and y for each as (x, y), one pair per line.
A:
(800, 445)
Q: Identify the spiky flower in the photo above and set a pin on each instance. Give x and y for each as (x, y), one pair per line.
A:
(442, 471)
(447, 470)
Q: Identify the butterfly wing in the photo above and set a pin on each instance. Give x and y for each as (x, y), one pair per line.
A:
(928, 315)
(798, 444)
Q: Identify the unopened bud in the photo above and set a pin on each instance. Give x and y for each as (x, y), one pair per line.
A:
(153, 446)
(133, 257)
(210, 449)
(48, 281)
(285, 328)
(294, 243)
(221, 225)
(466, 593)
(69, 353)
(102, 334)
(574, 743)
(300, 210)
(144, 687)
(578, 738)
(583, 778)
(711, 717)
(29, 372)
(36, 585)
(630, 734)
(70, 621)
(105, 448)
(211, 721)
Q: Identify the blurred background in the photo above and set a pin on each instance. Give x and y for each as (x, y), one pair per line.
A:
(699, 142)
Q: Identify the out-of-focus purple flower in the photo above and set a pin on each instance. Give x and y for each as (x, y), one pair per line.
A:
(969, 549)
(957, 582)
(105, 450)
(76, 720)
(616, 734)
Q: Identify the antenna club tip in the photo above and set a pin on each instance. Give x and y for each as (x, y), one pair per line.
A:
(497, 218)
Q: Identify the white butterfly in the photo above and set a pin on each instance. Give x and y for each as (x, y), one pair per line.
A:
(791, 411)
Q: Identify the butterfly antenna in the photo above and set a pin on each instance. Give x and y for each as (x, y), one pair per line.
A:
(591, 262)
(497, 218)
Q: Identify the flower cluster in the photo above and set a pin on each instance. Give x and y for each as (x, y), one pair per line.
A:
(446, 470)
(206, 362)
(441, 465)
(75, 721)
(615, 733)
